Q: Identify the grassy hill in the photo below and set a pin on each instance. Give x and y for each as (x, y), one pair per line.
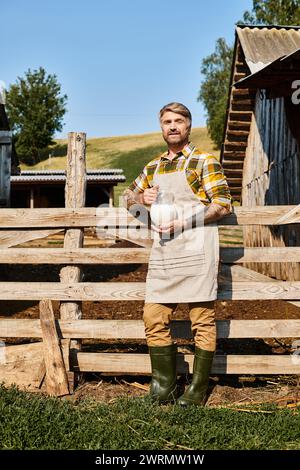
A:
(130, 153)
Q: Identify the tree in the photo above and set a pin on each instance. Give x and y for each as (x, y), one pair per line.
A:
(281, 12)
(214, 89)
(35, 109)
(217, 66)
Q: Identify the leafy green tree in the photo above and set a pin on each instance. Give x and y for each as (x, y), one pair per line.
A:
(35, 110)
(217, 66)
(281, 12)
(214, 89)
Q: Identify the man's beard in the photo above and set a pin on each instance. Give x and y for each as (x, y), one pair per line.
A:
(181, 141)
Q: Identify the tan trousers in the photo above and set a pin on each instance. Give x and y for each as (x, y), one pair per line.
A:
(157, 324)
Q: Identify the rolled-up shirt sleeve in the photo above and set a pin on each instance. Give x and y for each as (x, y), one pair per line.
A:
(214, 182)
(138, 186)
(140, 183)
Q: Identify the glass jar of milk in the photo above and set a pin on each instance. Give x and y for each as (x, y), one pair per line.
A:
(163, 209)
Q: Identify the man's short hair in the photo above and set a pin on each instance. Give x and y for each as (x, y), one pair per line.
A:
(176, 108)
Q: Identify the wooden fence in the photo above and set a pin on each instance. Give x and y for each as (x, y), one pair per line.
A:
(59, 353)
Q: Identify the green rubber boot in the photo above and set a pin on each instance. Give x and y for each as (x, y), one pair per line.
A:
(163, 386)
(195, 393)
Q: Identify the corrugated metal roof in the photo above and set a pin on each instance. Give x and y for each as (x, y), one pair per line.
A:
(63, 172)
(289, 65)
(263, 46)
(43, 176)
(58, 178)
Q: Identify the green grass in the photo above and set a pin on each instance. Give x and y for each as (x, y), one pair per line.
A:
(135, 162)
(28, 421)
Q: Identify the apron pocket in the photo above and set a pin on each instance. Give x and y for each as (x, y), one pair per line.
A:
(192, 264)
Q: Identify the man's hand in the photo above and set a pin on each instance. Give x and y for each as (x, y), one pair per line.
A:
(149, 195)
(174, 226)
(215, 212)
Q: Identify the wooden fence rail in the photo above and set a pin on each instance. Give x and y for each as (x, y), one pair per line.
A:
(134, 329)
(120, 217)
(228, 255)
(100, 291)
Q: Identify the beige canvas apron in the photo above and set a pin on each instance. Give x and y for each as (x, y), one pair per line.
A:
(183, 268)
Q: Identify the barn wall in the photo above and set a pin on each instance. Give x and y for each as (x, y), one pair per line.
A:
(54, 195)
(5, 167)
(271, 176)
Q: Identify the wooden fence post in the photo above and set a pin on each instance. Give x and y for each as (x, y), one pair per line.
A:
(56, 376)
(75, 191)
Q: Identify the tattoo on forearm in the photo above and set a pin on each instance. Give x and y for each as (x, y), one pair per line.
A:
(130, 198)
(215, 212)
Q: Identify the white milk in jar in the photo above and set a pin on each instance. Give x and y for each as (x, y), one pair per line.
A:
(163, 209)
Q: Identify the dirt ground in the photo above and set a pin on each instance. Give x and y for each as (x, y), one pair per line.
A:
(223, 389)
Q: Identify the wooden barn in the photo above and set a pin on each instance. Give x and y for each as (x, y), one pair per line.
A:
(46, 188)
(260, 152)
(8, 157)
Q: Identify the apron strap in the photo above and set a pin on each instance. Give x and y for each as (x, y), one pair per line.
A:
(188, 159)
(156, 168)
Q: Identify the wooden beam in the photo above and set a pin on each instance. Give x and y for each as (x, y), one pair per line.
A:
(259, 254)
(56, 376)
(75, 193)
(111, 196)
(96, 291)
(141, 238)
(51, 217)
(230, 255)
(10, 238)
(262, 215)
(31, 198)
(116, 218)
(134, 329)
(231, 273)
(23, 360)
(229, 364)
(74, 256)
(72, 292)
(22, 366)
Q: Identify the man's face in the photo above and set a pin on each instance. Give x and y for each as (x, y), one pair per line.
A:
(175, 128)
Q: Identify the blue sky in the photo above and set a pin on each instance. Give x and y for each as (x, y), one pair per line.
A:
(118, 61)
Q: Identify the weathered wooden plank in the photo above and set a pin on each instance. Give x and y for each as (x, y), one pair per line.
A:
(56, 376)
(229, 364)
(141, 237)
(75, 193)
(276, 254)
(72, 291)
(232, 273)
(48, 217)
(21, 365)
(119, 217)
(24, 360)
(10, 238)
(74, 256)
(41, 374)
(138, 255)
(89, 291)
(134, 329)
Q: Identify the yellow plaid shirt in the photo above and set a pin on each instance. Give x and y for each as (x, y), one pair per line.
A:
(204, 174)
